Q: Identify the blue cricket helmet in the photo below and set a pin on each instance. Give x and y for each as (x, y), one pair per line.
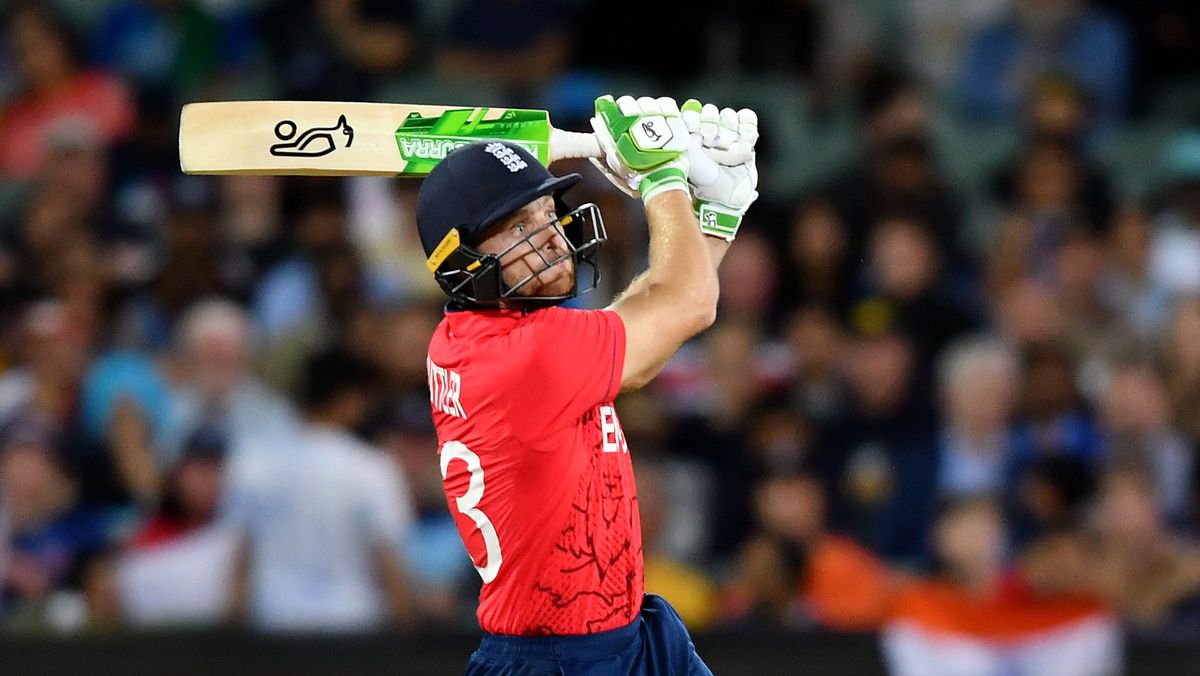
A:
(474, 188)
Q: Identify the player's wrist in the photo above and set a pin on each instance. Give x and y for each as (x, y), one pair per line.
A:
(718, 220)
(663, 179)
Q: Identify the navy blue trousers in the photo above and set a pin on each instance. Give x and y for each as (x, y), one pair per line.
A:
(656, 643)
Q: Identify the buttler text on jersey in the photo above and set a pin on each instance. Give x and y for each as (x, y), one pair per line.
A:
(444, 388)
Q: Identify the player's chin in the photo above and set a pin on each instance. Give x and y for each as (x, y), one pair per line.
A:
(557, 280)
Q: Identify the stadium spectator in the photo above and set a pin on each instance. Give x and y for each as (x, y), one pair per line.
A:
(749, 278)
(189, 501)
(177, 567)
(123, 410)
(980, 615)
(519, 44)
(54, 354)
(820, 269)
(1044, 37)
(444, 584)
(898, 174)
(52, 536)
(818, 387)
(301, 301)
(1175, 243)
(1058, 116)
(979, 379)
(690, 591)
(1182, 358)
(336, 49)
(939, 32)
(1049, 500)
(214, 385)
(173, 45)
(1136, 418)
(713, 393)
(905, 277)
(881, 461)
(794, 572)
(57, 93)
(189, 269)
(1044, 214)
(320, 513)
(1052, 420)
(1126, 288)
(1139, 565)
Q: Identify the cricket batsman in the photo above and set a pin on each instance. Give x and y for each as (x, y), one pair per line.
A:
(535, 466)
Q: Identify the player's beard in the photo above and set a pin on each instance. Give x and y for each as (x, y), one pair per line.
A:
(554, 280)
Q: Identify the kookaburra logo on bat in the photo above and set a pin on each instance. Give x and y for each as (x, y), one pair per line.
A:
(313, 142)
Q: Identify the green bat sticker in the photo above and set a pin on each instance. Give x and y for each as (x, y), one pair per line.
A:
(424, 141)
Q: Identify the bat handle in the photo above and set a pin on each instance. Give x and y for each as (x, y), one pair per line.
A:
(572, 144)
(575, 145)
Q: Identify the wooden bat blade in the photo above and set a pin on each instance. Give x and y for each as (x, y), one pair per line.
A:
(324, 138)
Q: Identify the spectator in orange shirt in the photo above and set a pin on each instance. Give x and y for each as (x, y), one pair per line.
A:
(57, 95)
(796, 573)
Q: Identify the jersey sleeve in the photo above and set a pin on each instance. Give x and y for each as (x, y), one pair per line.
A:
(573, 363)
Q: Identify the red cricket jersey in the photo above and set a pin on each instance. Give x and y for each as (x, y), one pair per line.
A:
(535, 466)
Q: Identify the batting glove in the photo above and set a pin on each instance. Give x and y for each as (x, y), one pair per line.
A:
(644, 143)
(722, 192)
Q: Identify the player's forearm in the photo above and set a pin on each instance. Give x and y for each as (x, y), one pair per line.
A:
(681, 266)
(716, 250)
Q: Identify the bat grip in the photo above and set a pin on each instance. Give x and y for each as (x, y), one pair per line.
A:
(572, 144)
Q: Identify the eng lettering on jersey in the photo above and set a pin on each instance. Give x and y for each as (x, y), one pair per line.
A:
(445, 386)
(611, 435)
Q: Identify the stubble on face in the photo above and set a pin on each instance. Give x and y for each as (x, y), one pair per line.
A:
(536, 243)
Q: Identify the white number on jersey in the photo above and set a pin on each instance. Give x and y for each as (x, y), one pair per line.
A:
(467, 505)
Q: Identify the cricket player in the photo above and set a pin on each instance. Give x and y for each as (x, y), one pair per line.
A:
(534, 463)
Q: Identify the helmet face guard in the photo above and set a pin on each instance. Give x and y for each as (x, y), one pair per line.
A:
(471, 277)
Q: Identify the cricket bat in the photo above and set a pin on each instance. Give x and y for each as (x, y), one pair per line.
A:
(330, 138)
(323, 138)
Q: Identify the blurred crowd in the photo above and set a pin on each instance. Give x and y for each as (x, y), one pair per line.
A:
(930, 404)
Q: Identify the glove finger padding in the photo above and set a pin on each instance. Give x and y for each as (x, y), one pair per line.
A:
(627, 105)
(747, 127)
(710, 124)
(690, 112)
(727, 131)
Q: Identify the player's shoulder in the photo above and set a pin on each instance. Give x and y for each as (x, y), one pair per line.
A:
(566, 317)
(500, 341)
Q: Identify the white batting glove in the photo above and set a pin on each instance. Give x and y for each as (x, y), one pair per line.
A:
(644, 142)
(722, 192)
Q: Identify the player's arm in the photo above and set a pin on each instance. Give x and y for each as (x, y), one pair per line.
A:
(638, 287)
(722, 196)
(645, 143)
(675, 298)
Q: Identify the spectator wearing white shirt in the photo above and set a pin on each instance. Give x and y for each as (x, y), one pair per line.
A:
(216, 387)
(320, 512)
(980, 378)
(1175, 244)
